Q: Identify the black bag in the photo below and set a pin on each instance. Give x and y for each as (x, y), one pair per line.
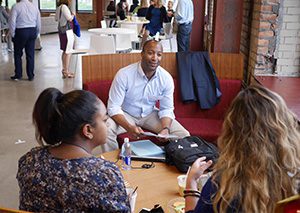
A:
(184, 152)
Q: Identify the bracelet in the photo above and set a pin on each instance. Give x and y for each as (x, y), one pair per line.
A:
(188, 191)
(191, 195)
(166, 128)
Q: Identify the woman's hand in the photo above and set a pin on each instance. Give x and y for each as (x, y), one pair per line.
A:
(197, 170)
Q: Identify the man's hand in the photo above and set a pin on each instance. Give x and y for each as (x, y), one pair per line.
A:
(132, 129)
(135, 131)
(164, 131)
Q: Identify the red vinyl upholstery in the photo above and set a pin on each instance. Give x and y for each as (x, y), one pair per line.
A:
(203, 123)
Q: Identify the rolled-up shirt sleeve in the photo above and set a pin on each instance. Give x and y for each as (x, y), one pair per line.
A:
(117, 95)
(166, 104)
(178, 14)
(38, 22)
(12, 21)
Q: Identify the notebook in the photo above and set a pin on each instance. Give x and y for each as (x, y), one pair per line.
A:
(146, 150)
(160, 136)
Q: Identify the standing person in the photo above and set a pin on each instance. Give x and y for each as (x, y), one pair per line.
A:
(111, 7)
(134, 5)
(24, 26)
(156, 14)
(184, 17)
(259, 154)
(170, 11)
(133, 95)
(3, 21)
(121, 9)
(64, 17)
(62, 175)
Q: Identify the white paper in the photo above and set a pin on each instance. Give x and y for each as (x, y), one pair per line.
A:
(160, 135)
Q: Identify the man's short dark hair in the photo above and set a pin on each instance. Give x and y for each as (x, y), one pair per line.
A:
(148, 42)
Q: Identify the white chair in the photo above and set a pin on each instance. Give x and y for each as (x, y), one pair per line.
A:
(123, 43)
(70, 47)
(134, 37)
(103, 24)
(135, 40)
(168, 34)
(102, 44)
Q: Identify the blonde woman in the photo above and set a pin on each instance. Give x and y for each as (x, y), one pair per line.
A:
(259, 153)
(64, 16)
(156, 14)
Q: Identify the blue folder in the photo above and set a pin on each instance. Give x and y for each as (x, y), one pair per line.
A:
(146, 150)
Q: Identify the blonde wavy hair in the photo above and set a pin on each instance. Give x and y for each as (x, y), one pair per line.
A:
(144, 3)
(159, 3)
(259, 146)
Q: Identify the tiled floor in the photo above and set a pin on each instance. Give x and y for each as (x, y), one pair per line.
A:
(16, 103)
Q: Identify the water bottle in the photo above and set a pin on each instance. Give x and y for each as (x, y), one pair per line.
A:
(126, 155)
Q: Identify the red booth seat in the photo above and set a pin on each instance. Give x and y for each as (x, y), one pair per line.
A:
(203, 123)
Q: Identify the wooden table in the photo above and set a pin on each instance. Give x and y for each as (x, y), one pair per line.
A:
(157, 185)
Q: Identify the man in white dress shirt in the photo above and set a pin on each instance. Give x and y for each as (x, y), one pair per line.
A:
(133, 95)
(24, 26)
(184, 17)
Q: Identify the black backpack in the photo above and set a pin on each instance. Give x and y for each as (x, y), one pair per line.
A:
(183, 152)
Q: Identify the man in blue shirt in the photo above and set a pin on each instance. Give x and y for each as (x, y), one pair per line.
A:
(24, 26)
(133, 96)
(184, 17)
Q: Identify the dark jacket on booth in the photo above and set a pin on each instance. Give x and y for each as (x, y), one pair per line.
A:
(197, 78)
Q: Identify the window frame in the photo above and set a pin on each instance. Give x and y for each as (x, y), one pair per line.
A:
(6, 4)
(47, 10)
(85, 11)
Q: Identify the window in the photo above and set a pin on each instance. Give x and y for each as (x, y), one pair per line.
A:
(11, 3)
(47, 5)
(84, 6)
(8, 3)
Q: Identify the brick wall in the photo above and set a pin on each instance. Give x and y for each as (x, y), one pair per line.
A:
(270, 37)
(264, 32)
(245, 34)
(288, 52)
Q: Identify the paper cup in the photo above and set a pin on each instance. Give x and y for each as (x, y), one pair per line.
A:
(132, 198)
(202, 181)
(181, 179)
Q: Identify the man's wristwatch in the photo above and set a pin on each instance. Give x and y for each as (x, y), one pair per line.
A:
(166, 128)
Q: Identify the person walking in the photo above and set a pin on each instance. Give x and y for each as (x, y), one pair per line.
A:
(24, 26)
(184, 17)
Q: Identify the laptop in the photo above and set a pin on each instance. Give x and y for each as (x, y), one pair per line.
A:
(146, 150)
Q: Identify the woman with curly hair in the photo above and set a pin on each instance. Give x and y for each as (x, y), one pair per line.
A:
(259, 156)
